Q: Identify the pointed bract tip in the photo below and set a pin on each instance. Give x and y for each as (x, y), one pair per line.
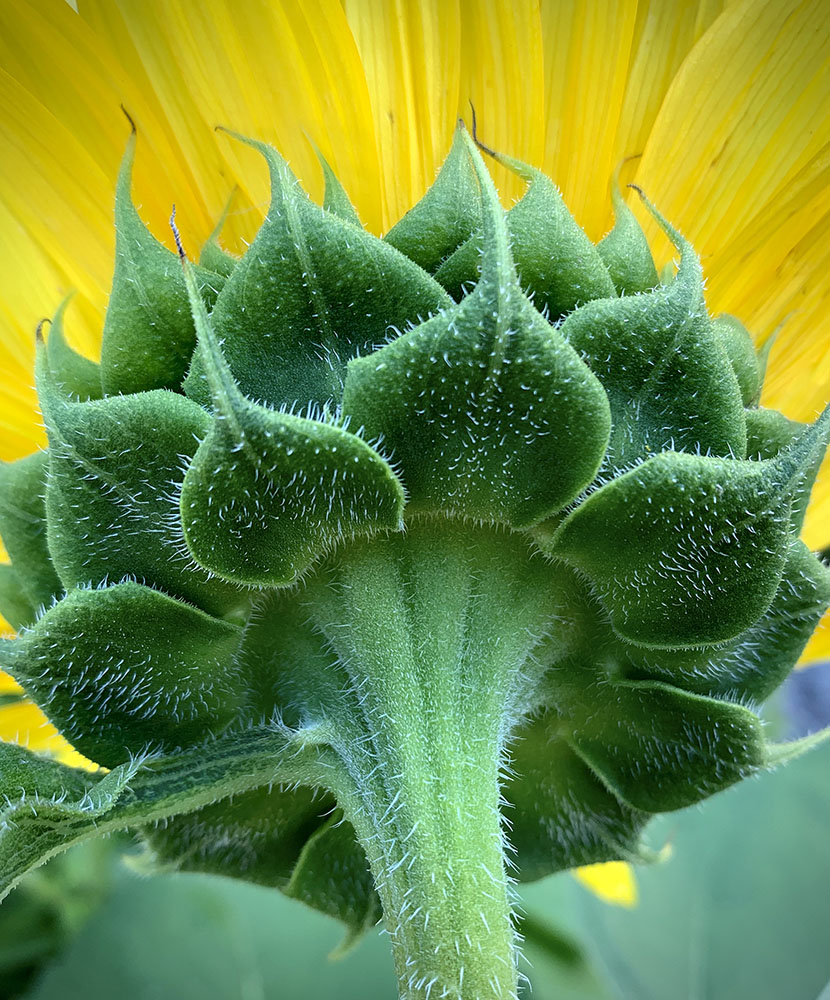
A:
(177, 235)
(130, 119)
(39, 338)
(474, 132)
(674, 234)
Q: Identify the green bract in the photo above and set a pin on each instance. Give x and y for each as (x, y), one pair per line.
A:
(359, 559)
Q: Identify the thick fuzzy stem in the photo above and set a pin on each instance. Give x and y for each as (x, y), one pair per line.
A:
(438, 862)
(434, 650)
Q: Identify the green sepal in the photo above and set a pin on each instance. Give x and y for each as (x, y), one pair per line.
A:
(625, 250)
(782, 753)
(23, 528)
(560, 814)
(657, 748)
(125, 668)
(46, 807)
(684, 550)
(335, 199)
(148, 330)
(79, 377)
(760, 659)
(486, 410)
(311, 292)
(447, 215)
(257, 836)
(116, 467)
(213, 257)
(664, 368)
(768, 433)
(746, 669)
(332, 875)
(558, 266)
(267, 492)
(743, 358)
(15, 607)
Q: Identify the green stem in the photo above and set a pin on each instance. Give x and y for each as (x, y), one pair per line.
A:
(433, 633)
(440, 872)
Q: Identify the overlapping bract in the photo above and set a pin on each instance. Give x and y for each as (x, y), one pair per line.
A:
(480, 396)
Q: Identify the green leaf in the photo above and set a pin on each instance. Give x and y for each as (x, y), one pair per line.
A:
(740, 909)
(23, 529)
(768, 433)
(557, 264)
(332, 875)
(750, 667)
(148, 330)
(44, 915)
(658, 748)
(740, 350)
(15, 607)
(79, 377)
(560, 813)
(213, 257)
(335, 199)
(625, 250)
(485, 409)
(684, 550)
(257, 836)
(268, 492)
(311, 292)
(116, 467)
(197, 937)
(125, 668)
(47, 807)
(447, 215)
(666, 372)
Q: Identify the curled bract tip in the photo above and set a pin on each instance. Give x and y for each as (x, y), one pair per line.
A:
(130, 119)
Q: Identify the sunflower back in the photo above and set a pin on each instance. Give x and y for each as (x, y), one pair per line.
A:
(348, 538)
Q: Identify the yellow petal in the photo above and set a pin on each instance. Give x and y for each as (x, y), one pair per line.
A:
(24, 723)
(613, 881)
(738, 159)
(818, 648)
(503, 75)
(272, 70)
(409, 54)
(607, 70)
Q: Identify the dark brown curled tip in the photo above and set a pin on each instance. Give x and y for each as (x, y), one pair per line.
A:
(176, 235)
(129, 118)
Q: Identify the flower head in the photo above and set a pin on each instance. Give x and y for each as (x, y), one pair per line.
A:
(581, 394)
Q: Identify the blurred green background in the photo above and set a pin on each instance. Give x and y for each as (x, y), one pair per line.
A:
(740, 910)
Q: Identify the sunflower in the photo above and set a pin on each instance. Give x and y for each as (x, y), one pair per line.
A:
(719, 111)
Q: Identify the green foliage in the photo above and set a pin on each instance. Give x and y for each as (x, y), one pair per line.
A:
(625, 250)
(473, 402)
(48, 807)
(335, 199)
(312, 292)
(201, 938)
(686, 551)
(738, 909)
(80, 377)
(666, 372)
(23, 530)
(382, 557)
(740, 350)
(447, 215)
(115, 467)
(148, 332)
(557, 264)
(79, 663)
